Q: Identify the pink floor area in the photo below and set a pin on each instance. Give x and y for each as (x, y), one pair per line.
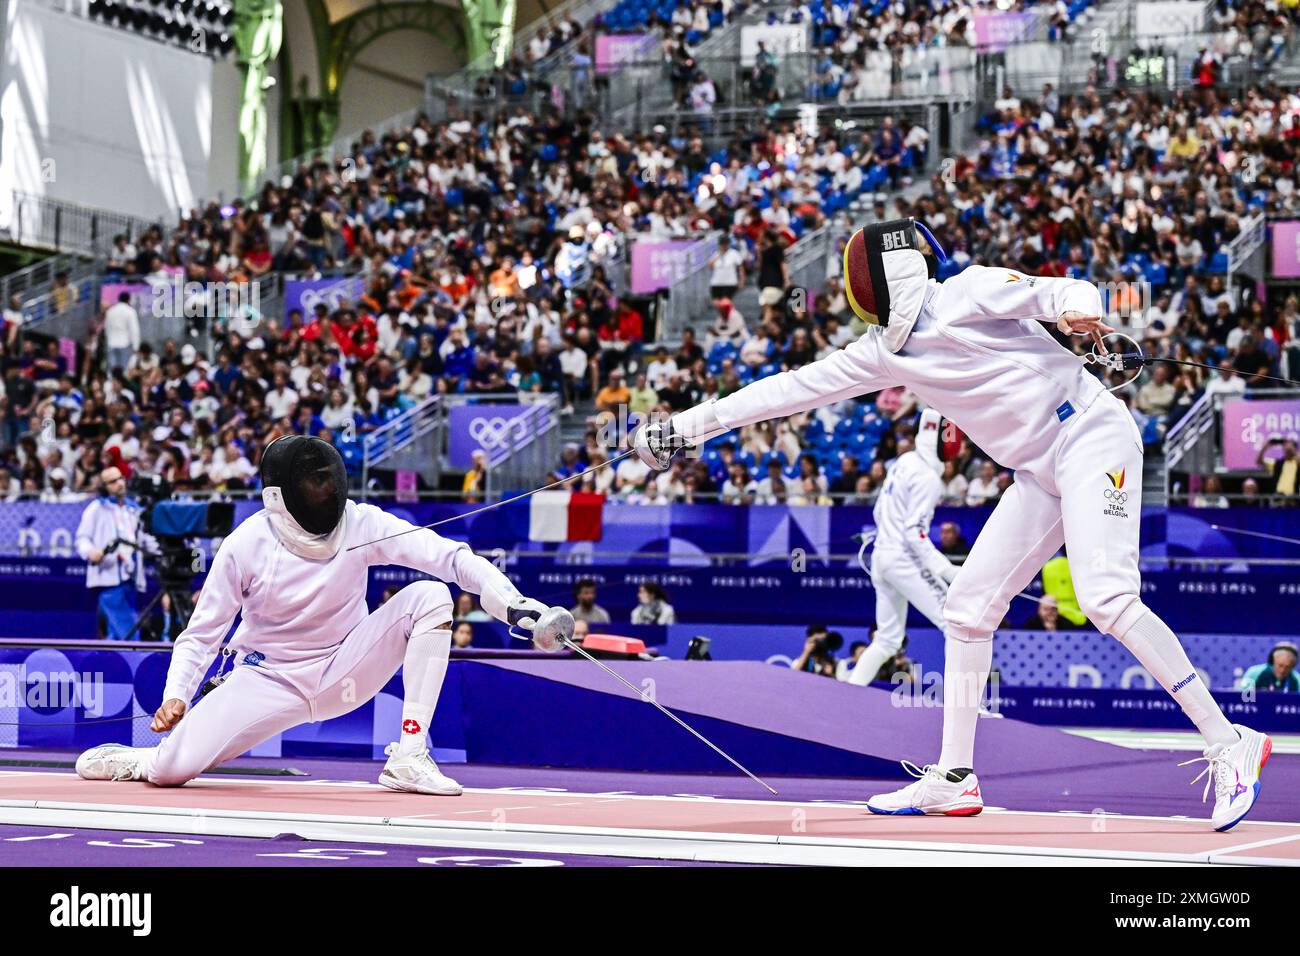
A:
(619, 816)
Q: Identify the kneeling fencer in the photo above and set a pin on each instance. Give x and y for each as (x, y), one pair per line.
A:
(307, 649)
(974, 348)
(906, 568)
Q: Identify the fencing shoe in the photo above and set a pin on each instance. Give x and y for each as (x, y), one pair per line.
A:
(416, 773)
(1234, 770)
(113, 762)
(933, 792)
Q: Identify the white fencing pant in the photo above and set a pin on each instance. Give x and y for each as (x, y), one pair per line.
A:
(900, 579)
(1095, 510)
(1096, 521)
(255, 703)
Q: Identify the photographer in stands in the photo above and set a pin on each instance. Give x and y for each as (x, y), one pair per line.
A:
(1283, 472)
(818, 656)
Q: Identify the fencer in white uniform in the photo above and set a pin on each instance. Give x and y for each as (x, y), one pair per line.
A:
(307, 648)
(975, 348)
(906, 567)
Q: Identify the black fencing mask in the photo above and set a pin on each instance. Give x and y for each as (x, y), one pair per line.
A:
(311, 481)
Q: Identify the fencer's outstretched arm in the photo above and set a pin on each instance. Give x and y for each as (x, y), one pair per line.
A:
(447, 560)
(854, 370)
(219, 602)
(995, 292)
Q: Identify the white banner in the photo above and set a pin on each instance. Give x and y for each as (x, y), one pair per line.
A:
(1170, 17)
(780, 39)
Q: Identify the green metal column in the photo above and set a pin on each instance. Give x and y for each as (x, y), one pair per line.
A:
(259, 28)
(490, 29)
(310, 122)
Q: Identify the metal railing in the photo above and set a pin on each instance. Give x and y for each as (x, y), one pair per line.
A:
(1123, 61)
(35, 280)
(419, 430)
(64, 313)
(688, 299)
(71, 227)
(1194, 444)
(641, 94)
(528, 449)
(689, 302)
(808, 259)
(1247, 246)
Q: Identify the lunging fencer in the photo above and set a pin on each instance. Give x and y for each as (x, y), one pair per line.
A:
(306, 648)
(975, 348)
(906, 568)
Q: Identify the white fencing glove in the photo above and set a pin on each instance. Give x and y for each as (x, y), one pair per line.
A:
(547, 625)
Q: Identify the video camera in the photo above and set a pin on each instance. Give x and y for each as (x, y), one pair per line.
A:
(172, 524)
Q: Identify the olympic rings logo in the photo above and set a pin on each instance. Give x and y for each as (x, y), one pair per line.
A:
(1119, 497)
(490, 432)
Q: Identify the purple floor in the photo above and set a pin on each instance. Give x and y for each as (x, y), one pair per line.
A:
(49, 846)
(1145, 783)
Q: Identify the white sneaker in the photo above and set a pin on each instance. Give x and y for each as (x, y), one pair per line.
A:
(113, 762)
(1234, 770)
(416, 773)
(933, 792)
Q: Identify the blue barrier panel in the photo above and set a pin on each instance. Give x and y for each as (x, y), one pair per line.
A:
(47, 596)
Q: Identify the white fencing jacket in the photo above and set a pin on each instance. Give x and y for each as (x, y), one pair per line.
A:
(297, 611)
(903, 512)
(979, 353)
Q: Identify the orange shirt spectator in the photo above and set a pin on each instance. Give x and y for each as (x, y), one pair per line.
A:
(615, 394)
(503, 283)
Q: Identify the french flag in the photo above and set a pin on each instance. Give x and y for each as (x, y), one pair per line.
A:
(565, 516)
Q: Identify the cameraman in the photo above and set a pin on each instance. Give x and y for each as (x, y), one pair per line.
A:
(819, 649)
(110, 569)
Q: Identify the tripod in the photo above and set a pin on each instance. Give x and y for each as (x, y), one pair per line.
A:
(182, 606)
(176, 580)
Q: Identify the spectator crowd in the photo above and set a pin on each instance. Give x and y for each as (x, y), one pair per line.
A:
(487, 252)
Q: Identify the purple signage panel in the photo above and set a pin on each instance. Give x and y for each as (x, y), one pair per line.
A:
(1248, 425)
(657, 265)
(613, 50)
(995, 31)
(478, 427)
(1286, 249)
(305, 293)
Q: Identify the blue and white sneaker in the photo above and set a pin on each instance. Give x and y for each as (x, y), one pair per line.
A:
(1234, 770)
(933, 792)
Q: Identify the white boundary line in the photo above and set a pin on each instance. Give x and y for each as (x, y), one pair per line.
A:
(663, 844)
(614, 795)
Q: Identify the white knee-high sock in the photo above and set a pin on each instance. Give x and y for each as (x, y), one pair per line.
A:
(423, 669)
(966, 666)
(870, 661)
(1158, 650)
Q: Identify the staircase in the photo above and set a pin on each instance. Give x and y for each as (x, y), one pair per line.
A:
(1191, 446)
(411, 441)
(1154, 491)
(573, 428)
